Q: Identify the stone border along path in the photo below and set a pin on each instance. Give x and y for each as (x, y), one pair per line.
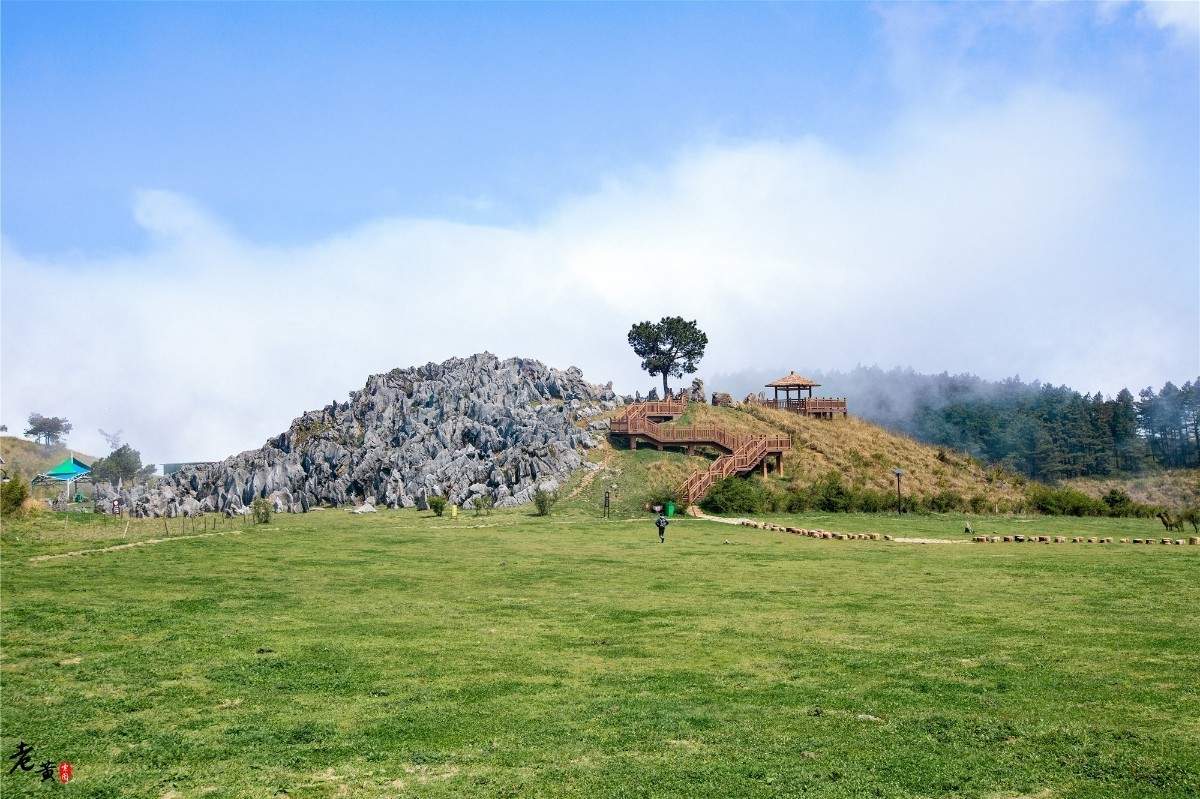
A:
(825, 533)
(147, 542)
(979, 539)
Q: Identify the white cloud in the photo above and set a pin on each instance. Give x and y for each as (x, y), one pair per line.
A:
(1009, 238)
(1180, 17)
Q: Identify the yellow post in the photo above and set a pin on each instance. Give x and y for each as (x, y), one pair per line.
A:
(453, 511)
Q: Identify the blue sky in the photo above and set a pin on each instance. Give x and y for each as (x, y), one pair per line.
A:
(294, 121)
(261, 203)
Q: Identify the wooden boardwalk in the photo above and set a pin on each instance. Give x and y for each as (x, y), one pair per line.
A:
(741, 454)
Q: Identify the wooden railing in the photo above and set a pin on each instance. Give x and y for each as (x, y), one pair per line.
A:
(745, 458)
(820, 405)
(672, 408)
(709, 434)
(742, 452)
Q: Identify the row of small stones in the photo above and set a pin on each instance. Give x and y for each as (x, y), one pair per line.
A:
(980, 539)
(819, 533)
(1062, 539)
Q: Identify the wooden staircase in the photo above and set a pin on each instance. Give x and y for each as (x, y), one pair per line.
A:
(742, 454)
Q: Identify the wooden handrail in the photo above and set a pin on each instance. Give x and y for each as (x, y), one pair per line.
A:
(807, 405)
(745, 458)
(743, 452)
(692, 434)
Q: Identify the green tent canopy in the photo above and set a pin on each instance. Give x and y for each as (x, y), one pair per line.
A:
(70, 470)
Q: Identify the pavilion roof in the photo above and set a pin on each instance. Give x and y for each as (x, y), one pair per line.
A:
(70, 469)
(792, 381)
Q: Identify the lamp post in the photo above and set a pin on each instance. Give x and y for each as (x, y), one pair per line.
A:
(898, 473)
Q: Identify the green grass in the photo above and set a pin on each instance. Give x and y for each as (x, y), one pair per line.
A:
(399, 654)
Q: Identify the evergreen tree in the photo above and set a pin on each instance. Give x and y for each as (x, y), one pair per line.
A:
(1190, 404)
(49, 430)
(673, 346)
(1127, 446)
(124, 464)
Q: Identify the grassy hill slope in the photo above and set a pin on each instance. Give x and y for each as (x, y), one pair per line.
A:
(29, 459)
(865, 454)
(1175, 488)
(861, 453)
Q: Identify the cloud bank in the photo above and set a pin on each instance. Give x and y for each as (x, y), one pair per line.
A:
(1016, 237)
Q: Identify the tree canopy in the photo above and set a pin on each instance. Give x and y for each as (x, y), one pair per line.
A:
(47, 429)
(672, 346)
(123, 464)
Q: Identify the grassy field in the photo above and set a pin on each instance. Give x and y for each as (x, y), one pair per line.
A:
(399, 654)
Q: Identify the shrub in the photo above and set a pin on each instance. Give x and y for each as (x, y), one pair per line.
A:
(544, 501)
(662, 497)
(830, 495)
(946, 502)
(979, 503)
(798, 502)
(260, 510)
(437, 505)
(735, 495)
(869, 500)
(1064, 502)
(1118, 502)
(483, 504)
(12, 496)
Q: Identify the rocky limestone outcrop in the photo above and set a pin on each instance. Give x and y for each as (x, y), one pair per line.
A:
(722, 400)
(459, 429)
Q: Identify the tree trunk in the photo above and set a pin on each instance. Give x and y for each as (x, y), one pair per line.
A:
(666, 391)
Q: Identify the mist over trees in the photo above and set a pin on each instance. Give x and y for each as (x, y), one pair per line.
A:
(1046, 432)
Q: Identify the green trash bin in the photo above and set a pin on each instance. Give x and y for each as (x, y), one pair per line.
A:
(670, 508)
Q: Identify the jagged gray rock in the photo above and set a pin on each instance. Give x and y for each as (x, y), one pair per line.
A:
(460, 429)
(722, 400)
(696, 393)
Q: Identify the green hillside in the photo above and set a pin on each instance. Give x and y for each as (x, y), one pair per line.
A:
(861, 454)
(29, 459)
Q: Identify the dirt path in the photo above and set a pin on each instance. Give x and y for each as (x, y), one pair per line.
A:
(147, 542)
(591, 475)
(932, 540)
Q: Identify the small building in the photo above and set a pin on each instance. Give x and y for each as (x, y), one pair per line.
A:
(826, 408)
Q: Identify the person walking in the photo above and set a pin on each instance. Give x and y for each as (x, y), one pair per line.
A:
(661, 523)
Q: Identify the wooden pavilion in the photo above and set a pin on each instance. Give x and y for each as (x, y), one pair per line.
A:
(808, 406)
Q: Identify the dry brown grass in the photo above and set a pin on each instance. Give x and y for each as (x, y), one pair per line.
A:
(665, 476)
(863, 453)
(1176, 489)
